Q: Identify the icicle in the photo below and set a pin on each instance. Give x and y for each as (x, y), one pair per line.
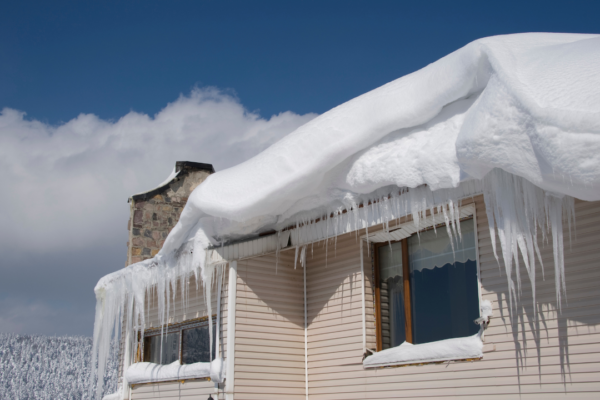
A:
(515, 209)
(554, 210)
(303, 257)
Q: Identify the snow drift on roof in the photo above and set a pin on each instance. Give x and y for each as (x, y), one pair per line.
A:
(528, 104)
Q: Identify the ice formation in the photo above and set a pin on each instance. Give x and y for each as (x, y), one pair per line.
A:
(145, 372)
(514, 117)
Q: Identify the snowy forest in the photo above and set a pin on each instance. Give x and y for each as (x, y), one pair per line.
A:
(36, 367)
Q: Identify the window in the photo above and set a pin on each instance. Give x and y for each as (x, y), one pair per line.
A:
(426, 290)
(188, 342)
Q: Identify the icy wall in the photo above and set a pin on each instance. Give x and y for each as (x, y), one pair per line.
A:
(515, 117)
(49, 368)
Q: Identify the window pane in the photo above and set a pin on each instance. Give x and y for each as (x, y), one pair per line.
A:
(170, 348)
(196, 344)
(445, 299)
(391, 295)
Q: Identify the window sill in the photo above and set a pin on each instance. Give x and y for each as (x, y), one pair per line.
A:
(468, 348)
(145, 372)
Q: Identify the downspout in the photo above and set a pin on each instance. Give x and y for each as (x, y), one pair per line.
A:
(231, 302)
(362, 279)
(218, 354)
(305, 336)
(125, 389)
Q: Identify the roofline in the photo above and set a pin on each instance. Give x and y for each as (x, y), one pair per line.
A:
(181, 165)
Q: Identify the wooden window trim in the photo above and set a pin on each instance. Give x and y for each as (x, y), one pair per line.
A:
(408, 328)
(406, 290)
(378, 335)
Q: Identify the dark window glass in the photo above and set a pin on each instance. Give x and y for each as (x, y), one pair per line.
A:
(170, 348)
(444, 294)
(196, 344)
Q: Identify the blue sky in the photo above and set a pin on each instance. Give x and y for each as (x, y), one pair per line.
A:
(112, 92)
(59, 59)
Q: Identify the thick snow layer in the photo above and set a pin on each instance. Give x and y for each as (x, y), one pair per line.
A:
(145, 372)
(527, 103)
(442, 350)
(516, 116)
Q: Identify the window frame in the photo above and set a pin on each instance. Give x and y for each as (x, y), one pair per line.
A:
(406, 280)
(172, 328)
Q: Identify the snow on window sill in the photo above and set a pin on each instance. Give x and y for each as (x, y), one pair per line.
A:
(470, 347)
(145, 372)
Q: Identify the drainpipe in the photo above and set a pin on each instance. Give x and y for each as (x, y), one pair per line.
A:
(362, 279)
(305, 335)
(231, 302)
(218, 355)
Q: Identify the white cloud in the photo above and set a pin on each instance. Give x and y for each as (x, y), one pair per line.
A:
(65, 187)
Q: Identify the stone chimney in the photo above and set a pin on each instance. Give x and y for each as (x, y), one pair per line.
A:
(154, 213)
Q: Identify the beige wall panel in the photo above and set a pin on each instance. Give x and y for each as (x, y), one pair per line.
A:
(269, 347)
(557, 356)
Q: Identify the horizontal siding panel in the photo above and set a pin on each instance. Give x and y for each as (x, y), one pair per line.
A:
(253, 360)
(454, 383)
(295, 375)
(267, 396)
(267, 370)
(480, 369)
(396, 393)
(279, 385)
(333, 372)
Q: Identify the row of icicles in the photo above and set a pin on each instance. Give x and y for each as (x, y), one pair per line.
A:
(516, 210)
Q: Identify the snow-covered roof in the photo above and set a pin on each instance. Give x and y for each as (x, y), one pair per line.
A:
(528, 104)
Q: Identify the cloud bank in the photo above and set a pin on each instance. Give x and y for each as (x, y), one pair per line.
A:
(65, 189)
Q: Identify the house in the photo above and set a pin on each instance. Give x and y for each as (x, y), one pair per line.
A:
(436, 237)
